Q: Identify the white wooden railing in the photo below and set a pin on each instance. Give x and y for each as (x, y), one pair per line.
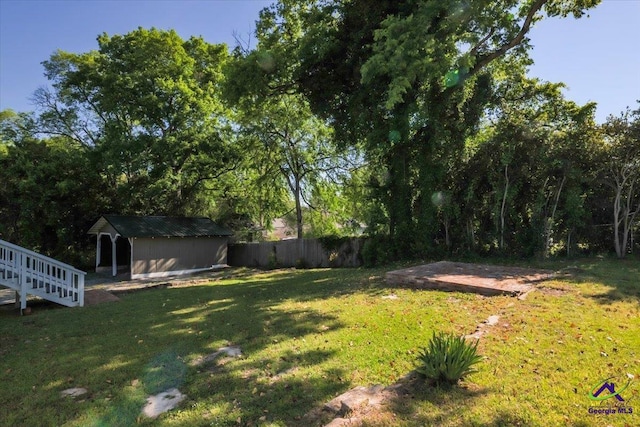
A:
(30, 273)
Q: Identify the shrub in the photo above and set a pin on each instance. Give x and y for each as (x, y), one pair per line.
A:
(272, 260)
(378, 250)
(447, 359)
(333, 243)
(340, 250)
(301, 263)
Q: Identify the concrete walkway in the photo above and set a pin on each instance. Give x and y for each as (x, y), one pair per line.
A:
(122, 283)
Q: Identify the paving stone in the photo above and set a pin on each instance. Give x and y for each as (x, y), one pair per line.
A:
(74, 392)
(229, 351)
(162, 402)
(344, 422)
(356, 398)
(493, 320)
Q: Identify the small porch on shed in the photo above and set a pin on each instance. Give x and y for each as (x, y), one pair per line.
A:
(113, 251)
(113, 254)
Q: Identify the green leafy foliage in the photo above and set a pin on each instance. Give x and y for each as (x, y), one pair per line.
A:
(49, 192)
(412, 118)
(292, 147)
(411, 81)
(146, 106)
(379, 250)
(528, 175)
(447, 359)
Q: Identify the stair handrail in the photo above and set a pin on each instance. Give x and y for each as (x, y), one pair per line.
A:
(43, 257)
(21, 253)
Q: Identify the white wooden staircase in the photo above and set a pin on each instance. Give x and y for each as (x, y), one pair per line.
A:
(30, 273)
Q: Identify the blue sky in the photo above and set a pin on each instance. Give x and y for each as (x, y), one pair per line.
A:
(597, 57)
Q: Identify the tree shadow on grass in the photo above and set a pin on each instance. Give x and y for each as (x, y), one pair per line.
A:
(125, 350)
(621, 276)
(422, 404)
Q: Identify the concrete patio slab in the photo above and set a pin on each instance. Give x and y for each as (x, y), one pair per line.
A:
(464, 277)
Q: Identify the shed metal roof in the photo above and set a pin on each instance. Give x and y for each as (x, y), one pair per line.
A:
(160, 226)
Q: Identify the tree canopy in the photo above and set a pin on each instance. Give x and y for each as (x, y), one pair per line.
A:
(147, 105)
(412, 80)
(415, 119)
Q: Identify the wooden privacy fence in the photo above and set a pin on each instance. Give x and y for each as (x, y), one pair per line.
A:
(305, 253)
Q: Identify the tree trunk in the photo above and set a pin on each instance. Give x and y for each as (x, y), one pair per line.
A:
(471, 234)
(623, 209)
(299, 223)
(616, 223)
(447, 223)
(549, 221)
(504, 204)
(398, 201)
(628, 217)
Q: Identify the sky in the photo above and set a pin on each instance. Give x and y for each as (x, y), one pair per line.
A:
(597, 57)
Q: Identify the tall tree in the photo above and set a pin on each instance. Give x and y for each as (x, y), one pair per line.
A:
(622, 174)
(530, 169)
(146, 104)
(298, 145)
(412, 78)
(49, 191)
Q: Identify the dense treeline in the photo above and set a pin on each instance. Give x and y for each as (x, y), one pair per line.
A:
(414, 119)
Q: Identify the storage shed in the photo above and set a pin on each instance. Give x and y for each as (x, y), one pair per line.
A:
(158, 246)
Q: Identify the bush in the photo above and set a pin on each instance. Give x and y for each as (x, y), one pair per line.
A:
(272, 260)
(341, 250)
(378, 250)
(301, 264)
(447, 359)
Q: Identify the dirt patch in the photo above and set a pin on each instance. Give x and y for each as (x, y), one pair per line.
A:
(552, 291)
(463, 277)
(120, 285)
(98, 296)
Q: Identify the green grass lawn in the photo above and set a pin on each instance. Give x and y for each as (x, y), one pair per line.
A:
(309, 335)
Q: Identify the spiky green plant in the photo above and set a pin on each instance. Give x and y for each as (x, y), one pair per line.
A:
(447, 359)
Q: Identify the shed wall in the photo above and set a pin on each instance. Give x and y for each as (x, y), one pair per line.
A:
(165, 254)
